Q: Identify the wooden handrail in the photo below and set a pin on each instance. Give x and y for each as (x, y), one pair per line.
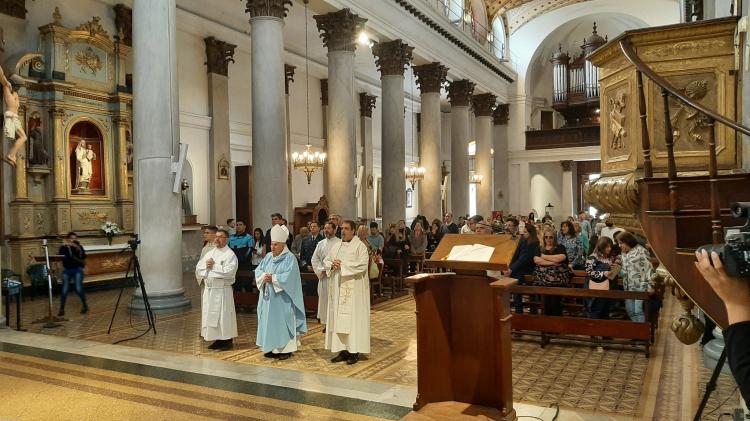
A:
(627, 49)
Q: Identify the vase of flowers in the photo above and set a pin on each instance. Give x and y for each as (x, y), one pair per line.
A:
(110, 229)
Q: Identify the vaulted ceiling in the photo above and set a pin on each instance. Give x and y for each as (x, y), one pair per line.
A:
(518, 12)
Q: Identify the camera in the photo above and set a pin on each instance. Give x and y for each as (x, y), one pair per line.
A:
(735, 253)
(134, 242)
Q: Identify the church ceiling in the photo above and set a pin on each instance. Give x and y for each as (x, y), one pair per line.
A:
(518, 12)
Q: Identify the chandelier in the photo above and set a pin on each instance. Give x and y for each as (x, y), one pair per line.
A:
(308, 161)
(414, 173)
(475, 178)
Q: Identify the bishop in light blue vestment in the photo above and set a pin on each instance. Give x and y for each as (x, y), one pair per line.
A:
(281, 310)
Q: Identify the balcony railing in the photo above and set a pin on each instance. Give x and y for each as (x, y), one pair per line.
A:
(567, 137)
(463, 19)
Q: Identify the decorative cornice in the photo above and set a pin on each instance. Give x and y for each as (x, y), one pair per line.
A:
(407, 5)
(93, 27)
(218, 55)
(568, 165)
(339, 29)
(124, 23)
(501, 114)
(324, 92)
(366, 104)
(460, 92)
(270, 8)
(288, 76)
(430, 77)
(392, 57)
(484, 104)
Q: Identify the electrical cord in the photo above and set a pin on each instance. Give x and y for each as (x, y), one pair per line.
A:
(731, 395)
(554, 418)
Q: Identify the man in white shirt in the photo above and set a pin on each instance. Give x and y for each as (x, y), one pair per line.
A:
(319, 255)
(216, 270)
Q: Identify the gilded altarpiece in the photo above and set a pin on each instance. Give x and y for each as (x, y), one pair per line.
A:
(77, 172)
(700, 62)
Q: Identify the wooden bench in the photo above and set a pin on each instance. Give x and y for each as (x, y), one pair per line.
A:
(637, 333)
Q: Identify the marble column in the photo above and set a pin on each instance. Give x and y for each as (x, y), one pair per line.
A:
(367, 196)
(19, 171)
(568, 189)
(500, 144)
(430, 78)
(288, 79)
(156, 139)
(391, 58)
(459, 94)
(270, 183)
(339, 32)
(218, 56)
(324, 106)
(484, 105)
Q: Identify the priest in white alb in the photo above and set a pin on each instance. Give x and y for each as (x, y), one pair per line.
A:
(348, 330)
(281, 310)
(216, 270)
(321, 251)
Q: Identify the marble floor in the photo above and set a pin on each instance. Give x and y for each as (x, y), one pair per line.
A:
(586, 382)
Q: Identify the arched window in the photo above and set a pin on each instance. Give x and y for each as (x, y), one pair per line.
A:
(455, 11)
(497, 37)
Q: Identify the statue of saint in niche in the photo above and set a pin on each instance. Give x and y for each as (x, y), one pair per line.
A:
(186, 208)
(84, 168)
(37, 153)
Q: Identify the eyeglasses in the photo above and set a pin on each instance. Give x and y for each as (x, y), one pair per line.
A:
(548, 236)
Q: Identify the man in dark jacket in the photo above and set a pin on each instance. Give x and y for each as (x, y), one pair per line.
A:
(74, 260)
(449, 227)
(522, 263)
(308, 247)
(277, 219)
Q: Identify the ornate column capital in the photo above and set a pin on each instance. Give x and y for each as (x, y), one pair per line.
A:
(57, 112)
(288, 76)
(324, 92)
(366, 104)
(460, 92)
(218, 56)
(272, 8)
(501, 114)
(124, 23)
(568, 165)
(484, 104)
(121, 121)
(339, 29)
(392, 57)
(430, 77)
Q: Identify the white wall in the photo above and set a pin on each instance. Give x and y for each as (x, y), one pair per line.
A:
(546, 187)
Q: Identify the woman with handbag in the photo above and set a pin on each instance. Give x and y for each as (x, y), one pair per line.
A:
(552, 270)
(601, 268)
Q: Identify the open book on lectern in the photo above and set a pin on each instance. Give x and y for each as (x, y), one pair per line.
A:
(471, 253)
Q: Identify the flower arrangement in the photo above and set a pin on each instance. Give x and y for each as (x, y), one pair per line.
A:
(110, 229)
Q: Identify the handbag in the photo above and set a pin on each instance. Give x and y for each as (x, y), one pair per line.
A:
(373, 271)
(600, 285)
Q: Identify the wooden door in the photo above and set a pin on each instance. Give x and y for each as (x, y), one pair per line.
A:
(243, 176)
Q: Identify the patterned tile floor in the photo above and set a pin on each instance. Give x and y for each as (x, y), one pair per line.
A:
(611, 381)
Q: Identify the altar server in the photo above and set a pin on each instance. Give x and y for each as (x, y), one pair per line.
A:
(216, 269)
(348, 330)
(281, 310)
(321, 251)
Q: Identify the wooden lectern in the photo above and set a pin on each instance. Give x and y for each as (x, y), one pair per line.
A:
(464, 333)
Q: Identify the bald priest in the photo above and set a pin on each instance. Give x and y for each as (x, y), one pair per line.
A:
(281, 310)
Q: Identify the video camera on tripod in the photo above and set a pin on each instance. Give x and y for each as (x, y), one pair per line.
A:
(735, 252)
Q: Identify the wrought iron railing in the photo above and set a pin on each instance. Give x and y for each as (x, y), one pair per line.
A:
(463, 19)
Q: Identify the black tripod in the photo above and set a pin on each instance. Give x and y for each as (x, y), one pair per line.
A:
(138, 278)
(711, 385)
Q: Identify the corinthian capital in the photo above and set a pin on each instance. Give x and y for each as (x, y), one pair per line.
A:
(500, 116)
(288, 76)
(460, 92)
(391, 57)
(366, 104)
(272, 8)
(218, 56)
(484, 104)
(430, 77)
(339, 29)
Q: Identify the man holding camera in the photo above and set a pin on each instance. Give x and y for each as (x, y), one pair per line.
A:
(74, 260)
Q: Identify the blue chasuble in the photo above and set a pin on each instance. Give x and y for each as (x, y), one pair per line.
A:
(281, 310)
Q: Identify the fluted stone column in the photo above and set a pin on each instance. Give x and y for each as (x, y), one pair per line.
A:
(60, 192)
(430, 78)
(391, 58)
(122, 124)
(339, 31)
(367, 197)
(484, 105)
(288, 79)
(459, 94)
(270, 183)
(156, 139)
(500, 144)
(219, 54)
(568, 189)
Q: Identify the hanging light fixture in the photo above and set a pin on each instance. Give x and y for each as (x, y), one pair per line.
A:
(413, 172)
(475, 178)
(308, 161)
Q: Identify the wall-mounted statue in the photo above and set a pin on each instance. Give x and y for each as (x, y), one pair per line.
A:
(129, 150)
(13, 128)
(186, 208)
(37, 153)
(84, 168)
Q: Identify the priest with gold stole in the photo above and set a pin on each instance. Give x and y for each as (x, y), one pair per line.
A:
(348, 330)
(216, 269)
(281, 310)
